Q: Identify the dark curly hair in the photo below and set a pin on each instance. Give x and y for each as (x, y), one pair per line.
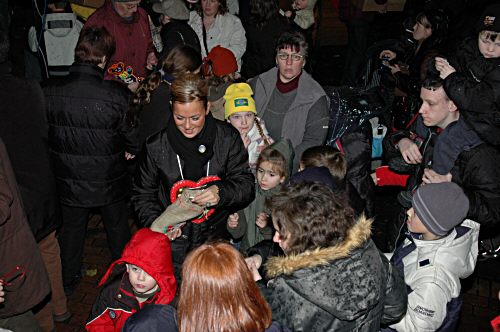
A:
(310, 216)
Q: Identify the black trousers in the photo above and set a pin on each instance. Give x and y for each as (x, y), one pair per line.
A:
(74, 228)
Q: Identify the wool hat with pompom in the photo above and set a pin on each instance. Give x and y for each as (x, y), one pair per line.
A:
(238, 98)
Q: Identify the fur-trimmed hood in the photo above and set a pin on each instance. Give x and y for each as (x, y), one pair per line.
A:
(358, 234)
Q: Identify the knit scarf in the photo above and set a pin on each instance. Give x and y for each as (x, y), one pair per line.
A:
(188, 149)
(287, 87)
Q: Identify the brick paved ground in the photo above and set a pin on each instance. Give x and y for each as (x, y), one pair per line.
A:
(480, 301)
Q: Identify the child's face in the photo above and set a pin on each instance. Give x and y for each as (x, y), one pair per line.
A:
(139, 279)
(242, 121)
(267, 177)
(300, 4)
(414, 223)
(490, 49)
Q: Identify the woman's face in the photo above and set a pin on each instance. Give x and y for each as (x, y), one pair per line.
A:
(190, 117)
(279, 239)
(422, 30)
(210, 7)
(290, 63)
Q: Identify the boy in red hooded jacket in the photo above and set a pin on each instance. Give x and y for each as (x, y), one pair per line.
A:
(147, 276)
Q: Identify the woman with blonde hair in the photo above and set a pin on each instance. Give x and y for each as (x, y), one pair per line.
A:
(150, 108)
(196, 147)
(217, 294)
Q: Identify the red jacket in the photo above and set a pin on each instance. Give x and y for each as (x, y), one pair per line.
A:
(133, 39)
(151, 252)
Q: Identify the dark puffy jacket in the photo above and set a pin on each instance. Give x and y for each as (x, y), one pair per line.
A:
(474, 88)
(159, 170)
(360, 189)
(347, 287)
(88, 137)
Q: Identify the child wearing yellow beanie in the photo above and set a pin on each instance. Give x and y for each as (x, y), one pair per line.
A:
(239, 111)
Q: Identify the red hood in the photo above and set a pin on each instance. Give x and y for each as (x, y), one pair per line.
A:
(151, 252)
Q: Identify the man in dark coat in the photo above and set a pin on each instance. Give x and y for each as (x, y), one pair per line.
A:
(23, 127)
(88, 141)
(456, 154)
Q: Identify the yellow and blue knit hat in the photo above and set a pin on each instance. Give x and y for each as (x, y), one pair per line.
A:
(238, 98)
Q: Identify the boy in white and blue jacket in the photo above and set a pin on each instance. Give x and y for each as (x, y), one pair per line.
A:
(441, 249)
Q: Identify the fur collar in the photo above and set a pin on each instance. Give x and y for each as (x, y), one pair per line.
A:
(358, 234)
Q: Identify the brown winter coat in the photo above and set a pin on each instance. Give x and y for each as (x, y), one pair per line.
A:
(18, 249)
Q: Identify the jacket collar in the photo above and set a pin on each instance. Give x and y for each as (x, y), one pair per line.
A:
(88, 69)
(356, 237)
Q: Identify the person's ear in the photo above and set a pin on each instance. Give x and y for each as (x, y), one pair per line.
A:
(282, 180)
(451, 106)
(209, 104)
(304, 64)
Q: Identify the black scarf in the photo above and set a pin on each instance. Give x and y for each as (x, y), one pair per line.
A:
(188, 149)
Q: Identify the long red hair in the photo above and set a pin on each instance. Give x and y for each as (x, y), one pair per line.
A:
(218, 293)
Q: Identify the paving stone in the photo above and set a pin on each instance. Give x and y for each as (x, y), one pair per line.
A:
(476, 300)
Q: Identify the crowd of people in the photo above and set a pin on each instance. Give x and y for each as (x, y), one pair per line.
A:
(199, 121)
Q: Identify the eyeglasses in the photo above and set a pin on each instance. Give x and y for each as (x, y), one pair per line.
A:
(14, 279)
(285, 56)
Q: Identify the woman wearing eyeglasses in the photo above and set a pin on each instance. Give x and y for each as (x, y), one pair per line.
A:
(291, 103)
